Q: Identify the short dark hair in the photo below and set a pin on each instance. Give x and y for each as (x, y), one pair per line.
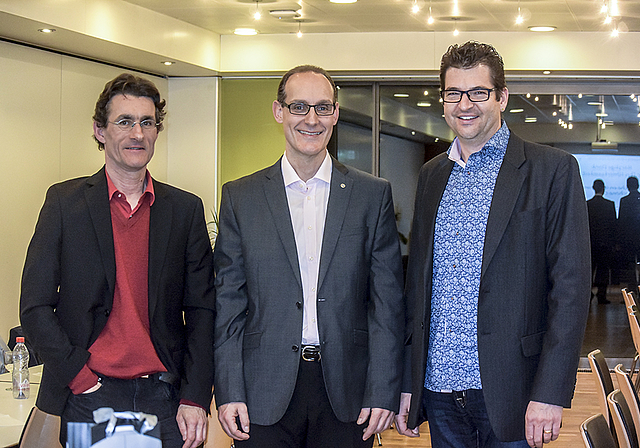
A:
(282, 94)
(127, 84)
(470, 55)
(632, 183)
(598, 186)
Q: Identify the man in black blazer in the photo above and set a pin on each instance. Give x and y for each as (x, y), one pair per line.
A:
(310, 316)
(602, 229)
(629, 234)
(117, 289)
(498, 279)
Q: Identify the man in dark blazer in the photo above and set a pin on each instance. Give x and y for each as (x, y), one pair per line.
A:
(117, 289)
(498, 279)
(629, 234)
(310, 315)
(602, 229)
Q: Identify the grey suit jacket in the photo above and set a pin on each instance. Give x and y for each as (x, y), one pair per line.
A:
(69, 278)
(259, 296)
(534, 288)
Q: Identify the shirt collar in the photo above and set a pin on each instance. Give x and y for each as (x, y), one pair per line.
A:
(498, 141)
(290, 176)
(149, 189)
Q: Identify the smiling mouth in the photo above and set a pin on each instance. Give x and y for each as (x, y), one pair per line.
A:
(309, 132)
(466, 118)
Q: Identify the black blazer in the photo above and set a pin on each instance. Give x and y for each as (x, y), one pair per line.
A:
(259, 296)
(69, 276)
(534, 288)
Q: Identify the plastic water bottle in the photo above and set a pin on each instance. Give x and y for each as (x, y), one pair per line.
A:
(20, 374)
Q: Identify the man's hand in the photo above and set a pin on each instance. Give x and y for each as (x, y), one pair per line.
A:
(542, 423)
(227, 414)
(403, 416)
(379, 420)
(192, 421)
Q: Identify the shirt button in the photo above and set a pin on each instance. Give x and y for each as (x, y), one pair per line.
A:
(298, 305)
(310, 228)
(310, 258)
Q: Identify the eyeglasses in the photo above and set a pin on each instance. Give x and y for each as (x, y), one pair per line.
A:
(304, 108)
(474, 95)
(126, 125)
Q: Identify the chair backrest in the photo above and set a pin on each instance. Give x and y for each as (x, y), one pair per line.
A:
(596, 434)
(629, 299)
(41, 430)
(622, 420)
(630, 395)
(604, 384)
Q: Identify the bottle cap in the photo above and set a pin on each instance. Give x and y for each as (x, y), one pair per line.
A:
(20, 339)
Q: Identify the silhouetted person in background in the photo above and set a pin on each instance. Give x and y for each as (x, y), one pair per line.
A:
(602, 227)
(629, 233)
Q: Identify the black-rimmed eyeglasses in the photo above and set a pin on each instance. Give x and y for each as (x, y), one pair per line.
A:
(322, 110)
(474, 95)
(126, 125)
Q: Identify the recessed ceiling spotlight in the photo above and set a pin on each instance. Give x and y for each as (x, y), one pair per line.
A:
(426, 93)
(245, 31)
(423, 104)
(343, 1)
(167, 62)
(284, 13)
(516, 111)
(530, 119)
(546, 72)
(542, 29)
(47, 30)
(594, 103)
(401, 95)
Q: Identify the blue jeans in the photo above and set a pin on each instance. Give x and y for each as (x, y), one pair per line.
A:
(147, 395)
(460, 420)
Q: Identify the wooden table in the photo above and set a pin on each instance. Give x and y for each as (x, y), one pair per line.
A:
(14, 412)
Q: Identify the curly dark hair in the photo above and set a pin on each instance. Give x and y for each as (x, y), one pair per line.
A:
(470, 55)
(127, 84)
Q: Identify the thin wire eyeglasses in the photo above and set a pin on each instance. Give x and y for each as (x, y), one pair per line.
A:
(474, 95)
(322, 110)
(126, 125)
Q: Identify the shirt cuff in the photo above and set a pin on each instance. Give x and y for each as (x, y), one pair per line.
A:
(84, 380)
(191, 403)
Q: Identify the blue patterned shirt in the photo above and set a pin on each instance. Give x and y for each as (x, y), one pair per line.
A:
(461, 223)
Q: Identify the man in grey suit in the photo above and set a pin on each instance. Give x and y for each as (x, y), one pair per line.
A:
(498, 282)
(309, 289)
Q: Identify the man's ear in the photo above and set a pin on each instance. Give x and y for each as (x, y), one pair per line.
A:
(98, 133)
(277, 111)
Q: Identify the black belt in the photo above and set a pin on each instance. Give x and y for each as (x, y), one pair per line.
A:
(166, 377)
(311, 353)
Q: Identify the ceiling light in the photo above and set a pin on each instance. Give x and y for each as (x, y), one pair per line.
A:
(455, 11)
(604, 9)
(415, 9)
(546, 72)
(528, 95)
(436, 140)
(299, 33)
(614, 32)
(593, 103)
(167, 63)
(245, 31)
(579, 95)
(607, 20)
(47, 30)
(425, 93)
(602, 114)
(413, 132)
(430, 20)
(613, 8)
(542, 29)
(423, 104)
(343, 1)
(456, 32)
(536, 99)
(570, 125)
(284, 13)
(554, 113)
(257, 15)
(516, 111)
(519, 18)
(401, 95)
(530, 120)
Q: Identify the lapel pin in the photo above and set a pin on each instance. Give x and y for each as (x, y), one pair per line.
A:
(343, 186)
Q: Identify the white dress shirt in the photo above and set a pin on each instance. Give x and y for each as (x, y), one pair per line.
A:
(308, 208)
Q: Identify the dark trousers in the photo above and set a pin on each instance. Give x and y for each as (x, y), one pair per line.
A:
(460, 420)
(309, 421)
(147, 395)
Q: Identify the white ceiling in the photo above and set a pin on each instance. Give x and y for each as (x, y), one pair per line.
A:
(321, 16)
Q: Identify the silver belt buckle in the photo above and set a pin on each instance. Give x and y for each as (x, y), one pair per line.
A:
(310, 353)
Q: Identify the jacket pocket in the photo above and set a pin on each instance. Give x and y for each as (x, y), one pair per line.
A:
(251, 340)
(532, 344)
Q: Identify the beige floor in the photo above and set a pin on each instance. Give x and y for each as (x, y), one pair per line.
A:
(585, 404)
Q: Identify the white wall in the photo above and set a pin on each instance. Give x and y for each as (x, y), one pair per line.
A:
(46, 105)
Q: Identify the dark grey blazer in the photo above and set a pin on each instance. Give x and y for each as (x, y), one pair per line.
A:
(259, 296)
(534, 288)
(69, 276)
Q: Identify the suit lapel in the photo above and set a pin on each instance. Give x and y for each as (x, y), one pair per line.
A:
(159, 233)
(276, 197)
(339, 194)
(97, 197)
(505, 195)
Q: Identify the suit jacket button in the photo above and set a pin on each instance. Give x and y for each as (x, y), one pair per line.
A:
(298, 305)
(295, 348)
(422, 325)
